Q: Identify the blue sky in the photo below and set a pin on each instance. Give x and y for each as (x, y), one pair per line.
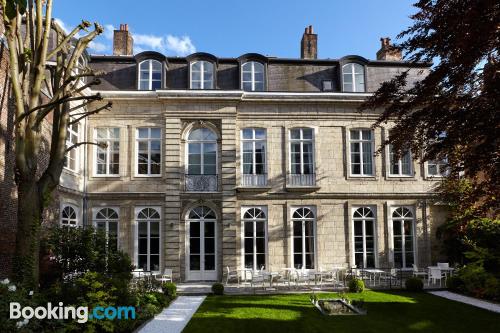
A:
(232, 28)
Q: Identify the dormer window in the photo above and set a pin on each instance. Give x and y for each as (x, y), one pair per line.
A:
(252, 76)
(150, 75)
(353, 78)
(202, 75)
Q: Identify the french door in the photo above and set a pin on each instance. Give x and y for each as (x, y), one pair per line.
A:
(202, 246)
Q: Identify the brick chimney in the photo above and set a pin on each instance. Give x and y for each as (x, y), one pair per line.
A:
(388, 51)
(309, 44)
(123, 43)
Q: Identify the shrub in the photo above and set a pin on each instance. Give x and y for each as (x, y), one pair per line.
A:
(414, 284)
(169, 289)
(455, 283)
(218, 289)
(356, 285)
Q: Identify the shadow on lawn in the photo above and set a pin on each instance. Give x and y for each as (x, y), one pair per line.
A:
(387, 312)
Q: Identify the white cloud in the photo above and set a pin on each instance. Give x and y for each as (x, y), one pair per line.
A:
(108, 31)
(150, 41)
(98, 47)
(180, 45)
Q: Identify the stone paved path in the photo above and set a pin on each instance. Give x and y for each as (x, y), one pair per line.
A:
(468, 300)
(174, 318)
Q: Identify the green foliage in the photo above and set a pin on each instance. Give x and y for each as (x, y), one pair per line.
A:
(478, 282)
(218, 289)
(455, 283)
(356, 285)
(169, 289)
(414, 284)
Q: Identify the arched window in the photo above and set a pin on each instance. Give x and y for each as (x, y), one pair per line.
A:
(403, 231)
(69, 216)
(202, 249)
(148, 238)
(202, 152)
(254, 237)
(353, 77)
(150, 75)
(252, 76)
(202, 75)
(106, 219)
(303, 225)
(364, 237)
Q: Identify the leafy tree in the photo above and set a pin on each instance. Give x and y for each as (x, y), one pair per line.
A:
(43, 62)
(453, 112)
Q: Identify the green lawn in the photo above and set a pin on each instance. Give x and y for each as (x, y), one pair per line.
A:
(388, 312)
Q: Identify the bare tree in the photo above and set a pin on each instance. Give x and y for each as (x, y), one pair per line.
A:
(46, 78)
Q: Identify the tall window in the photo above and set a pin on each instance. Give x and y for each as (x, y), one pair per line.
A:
(254, 151)
(202, 152)
(70, 158)
(303, 222)
(106, 220)
(254, 230)
(252, 76)
(301, 151)
(202, 75)
(150, 75)
(364, 237)
(353, 77)
(402, 227)
(361, 152)
(107, 158)
(437, 168)
(69, 216)
(148, 151)
(400, 166)
(148, 239)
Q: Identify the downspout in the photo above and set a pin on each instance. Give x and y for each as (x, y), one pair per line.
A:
(85, 167)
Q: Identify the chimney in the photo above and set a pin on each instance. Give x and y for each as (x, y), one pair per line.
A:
(388, 51)
(309, 44)
(123, 43)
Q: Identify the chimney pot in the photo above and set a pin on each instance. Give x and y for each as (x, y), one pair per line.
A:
(388, 51)
(123, 43)
(309, 44)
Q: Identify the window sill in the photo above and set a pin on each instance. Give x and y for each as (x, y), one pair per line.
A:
(306, 188)
(243, 188)
(106, 176)
(400, 178)
(359, 177)
(71, 172)
(148, 176)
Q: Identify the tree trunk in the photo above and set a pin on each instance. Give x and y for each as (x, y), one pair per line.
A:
(29, 216)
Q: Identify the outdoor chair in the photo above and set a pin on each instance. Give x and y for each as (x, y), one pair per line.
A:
(166, 276)
(435, 274)
(257, 278)
(419, 273)
(443, 265)
(231, 275)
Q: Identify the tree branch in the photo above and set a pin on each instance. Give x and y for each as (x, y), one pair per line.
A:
(86, 114)
(78, 144)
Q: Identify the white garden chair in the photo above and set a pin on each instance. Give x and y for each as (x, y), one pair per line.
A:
(419, 273)
(435, 274)
(166, 276)
(231, 275)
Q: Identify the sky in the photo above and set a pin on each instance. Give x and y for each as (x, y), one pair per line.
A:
(231, 28)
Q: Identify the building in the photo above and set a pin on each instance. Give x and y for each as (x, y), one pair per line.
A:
(249, 162)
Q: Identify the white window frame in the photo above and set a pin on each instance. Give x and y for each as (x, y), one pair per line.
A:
(439, 165)
(292, 247)
(150, 74)
(360, 143)
(148, 140)
(254, 154)
(391, 234)
(252, 72)
(375, 234)
(353, 74)
(76, 209)
(202, 149)
(302, 141)
(399, 162)
(136, 236)
(254, 220)
(69, 143)
(202, 75)
(109, 150)
(95, 220)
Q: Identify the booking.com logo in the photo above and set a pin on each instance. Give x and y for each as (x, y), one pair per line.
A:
(61, 312)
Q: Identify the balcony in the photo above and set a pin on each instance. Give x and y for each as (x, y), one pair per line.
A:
(301, 181)
(201, 183)
(254, 180)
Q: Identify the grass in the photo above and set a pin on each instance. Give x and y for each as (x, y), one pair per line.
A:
(389, 312)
